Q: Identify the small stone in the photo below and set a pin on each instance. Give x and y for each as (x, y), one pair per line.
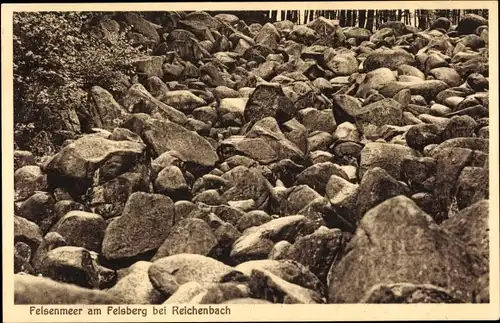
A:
(171, 182)
(422, 135)
(279, 250)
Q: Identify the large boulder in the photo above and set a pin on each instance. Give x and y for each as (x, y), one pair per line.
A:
(268, 100)
(105, 112)
(161, 136)
(390, 58)
(398, 242)
(383, 112)
(469, 22)
(169, 273)
(40, 290)
(375, 80)
(247, 184)
(77, 162)
(384, 155)
(191, 235)
(133, 286)
(81, 229)
(257, 242)
(428, 89)
(470, 226)
(144, 215)
(142, 26)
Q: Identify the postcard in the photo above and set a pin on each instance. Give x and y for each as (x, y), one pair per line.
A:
(250, 161)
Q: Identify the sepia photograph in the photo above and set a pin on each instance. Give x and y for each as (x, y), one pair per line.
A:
(183, 158)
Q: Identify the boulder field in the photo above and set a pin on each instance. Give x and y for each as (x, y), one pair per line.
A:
(274, 163)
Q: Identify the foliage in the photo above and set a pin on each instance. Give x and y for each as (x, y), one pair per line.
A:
(58, 56)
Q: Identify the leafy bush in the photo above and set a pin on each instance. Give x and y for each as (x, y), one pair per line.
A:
(58, 57)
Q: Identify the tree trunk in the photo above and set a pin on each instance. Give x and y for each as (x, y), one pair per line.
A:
(348, 17)
(342, 18)
(362, 18)
(370, 20)
(422, 19)
(274, 15)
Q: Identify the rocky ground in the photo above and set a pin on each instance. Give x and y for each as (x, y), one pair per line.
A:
(274, 163)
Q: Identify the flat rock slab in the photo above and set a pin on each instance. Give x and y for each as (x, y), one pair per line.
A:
(161, 136)
(39, 290)
(80, 159)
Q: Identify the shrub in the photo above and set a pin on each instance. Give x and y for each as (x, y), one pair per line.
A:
(58, 57)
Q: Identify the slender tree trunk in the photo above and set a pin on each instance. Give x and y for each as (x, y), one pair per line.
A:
(370, 20)
(348, 17)
(422, 19)
(274, 15)
(362, 18)
(342, 18)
